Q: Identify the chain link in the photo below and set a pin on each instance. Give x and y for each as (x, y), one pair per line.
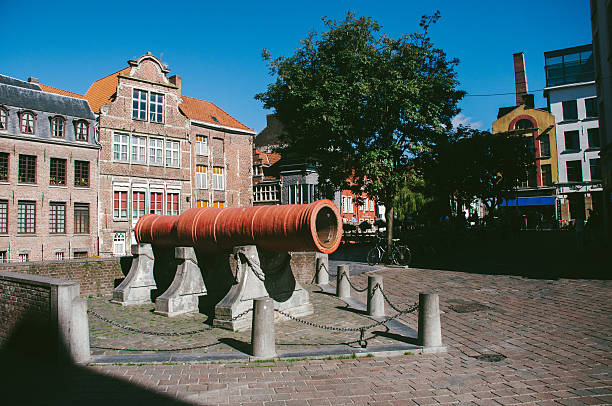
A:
(382, 291)
(151, 333)
(236, 317)
(344, 275)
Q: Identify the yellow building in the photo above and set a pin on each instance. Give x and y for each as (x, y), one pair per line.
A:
(537, 195)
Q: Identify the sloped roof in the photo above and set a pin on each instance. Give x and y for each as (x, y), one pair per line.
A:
(7, 80)
(267, 158)
(208, 112)
(51, 89)
(102, 90)
(31, 97)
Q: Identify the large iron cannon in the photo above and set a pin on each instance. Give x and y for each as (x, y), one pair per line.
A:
(298, 227)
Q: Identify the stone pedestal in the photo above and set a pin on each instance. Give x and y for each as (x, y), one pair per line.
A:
(137, 285)
(182, 295)
(260, 274)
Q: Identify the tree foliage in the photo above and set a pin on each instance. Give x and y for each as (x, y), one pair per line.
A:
(470, 164)
(362, 105)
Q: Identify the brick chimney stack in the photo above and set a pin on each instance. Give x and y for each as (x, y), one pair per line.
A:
(520, 78)
(32, 80)
(176, 81)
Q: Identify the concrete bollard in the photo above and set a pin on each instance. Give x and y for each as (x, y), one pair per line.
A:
(430, 333)
(343, 288)
(262, 332)
(376, 301)
(322, 264)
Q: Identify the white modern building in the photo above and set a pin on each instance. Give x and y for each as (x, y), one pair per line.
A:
(572, 99)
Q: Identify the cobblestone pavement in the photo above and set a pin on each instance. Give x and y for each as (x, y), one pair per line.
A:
(510, 341)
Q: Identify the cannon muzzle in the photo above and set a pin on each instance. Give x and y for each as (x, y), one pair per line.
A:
(296, 227)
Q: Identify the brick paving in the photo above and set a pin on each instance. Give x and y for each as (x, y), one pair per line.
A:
(551, 339)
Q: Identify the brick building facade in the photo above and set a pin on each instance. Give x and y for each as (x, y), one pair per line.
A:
(48, 174)
(162, 152)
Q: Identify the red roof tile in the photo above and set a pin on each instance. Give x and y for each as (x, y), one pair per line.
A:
(51, 89)
(101, 91)
(208, 112)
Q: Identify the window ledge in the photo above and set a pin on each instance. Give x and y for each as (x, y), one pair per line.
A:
(82, 187)
(26, 235)
(590, 118)
(571, 151)
(59, 186)
(5, 182)
(575, 120)
(590, 149)
(57, 234)
(27, 184)
(117, 220)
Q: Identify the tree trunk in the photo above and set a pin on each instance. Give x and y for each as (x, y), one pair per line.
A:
(389, 212)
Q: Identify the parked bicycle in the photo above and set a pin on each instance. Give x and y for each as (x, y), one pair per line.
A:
(400, 254)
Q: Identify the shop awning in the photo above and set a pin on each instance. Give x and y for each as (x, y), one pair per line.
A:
(530, 201)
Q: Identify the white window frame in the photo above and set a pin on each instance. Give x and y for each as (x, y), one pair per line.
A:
(59, 255)
(24, 257)
(121, 147)
(218, 179)
(119, 244)
(156, 151)
(152, 208)
(169, 202)
(139, 149)
(138, 103)
(138, 213)
(118, 216)
(201, 147)
(201, 178)
(3, 119)
(27, 121)
(156, 103)
(172, 154)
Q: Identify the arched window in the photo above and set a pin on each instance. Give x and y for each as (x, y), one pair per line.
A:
(523, 124)
(81, 130)
(57, 126)
(27, 122)
(3, 118)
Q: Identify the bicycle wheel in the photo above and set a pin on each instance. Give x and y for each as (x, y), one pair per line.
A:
(401, 255)
(373, 256)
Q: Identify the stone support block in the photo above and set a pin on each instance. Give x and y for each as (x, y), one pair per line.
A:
(137, 285)
(182, 295)
(343, 288)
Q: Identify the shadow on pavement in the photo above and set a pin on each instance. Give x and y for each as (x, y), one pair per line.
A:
(36, 370)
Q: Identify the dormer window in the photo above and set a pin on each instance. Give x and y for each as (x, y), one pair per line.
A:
(3, 118)
(26, 122)
(57, 126)
(81, 130)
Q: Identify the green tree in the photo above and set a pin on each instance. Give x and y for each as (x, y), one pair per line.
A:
(469, 164)
(362, 105)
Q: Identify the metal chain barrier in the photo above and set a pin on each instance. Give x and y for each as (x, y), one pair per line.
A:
(382, 291)
(353, 286)
(151, 333)
(236, 317)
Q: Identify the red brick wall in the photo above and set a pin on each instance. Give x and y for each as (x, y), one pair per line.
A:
(96, 276)
(303, 266)
(17, 300)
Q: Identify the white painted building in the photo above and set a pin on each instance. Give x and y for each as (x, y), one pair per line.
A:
(572, 99)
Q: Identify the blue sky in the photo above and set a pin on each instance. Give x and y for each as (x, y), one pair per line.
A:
(216, 46)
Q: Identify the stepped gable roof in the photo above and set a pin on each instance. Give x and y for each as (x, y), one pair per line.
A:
(51, 89)
(208, 112)
(102, 90)
(15, 92)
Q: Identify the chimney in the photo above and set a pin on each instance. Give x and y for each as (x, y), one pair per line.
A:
(176, 81)
(32, 80)
(520, 78)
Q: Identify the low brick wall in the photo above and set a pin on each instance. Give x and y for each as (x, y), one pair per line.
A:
(303, 265)
(97, 276)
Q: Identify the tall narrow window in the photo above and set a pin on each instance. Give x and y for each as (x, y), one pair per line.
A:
(157, 203)
(27, 122)
(81, 173)
(120, 205)
(81, 130)
(27, 169)
(200, 177)
(201, 145)
(57, 172)
(57, 218)
(218, 178)
(172, 154)
(156, 108)
(546, 175)
(574, 171)
(81, 218)
(138, 205)
(570, 110)
(544, 141)
(590, 105)
(593, 134)
(595, 166)
(26, 217)
(156, 151)
(4, 166)
(3, 119)
(172, 204)
(3, 216)
(139, 150)
(572, 140)
(120, 147)
(57, 127)
(139, 104)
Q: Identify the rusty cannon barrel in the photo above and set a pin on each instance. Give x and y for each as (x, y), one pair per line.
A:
(296, 227)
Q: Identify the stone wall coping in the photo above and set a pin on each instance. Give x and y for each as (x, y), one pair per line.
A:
(35, 279)
(63, 261)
